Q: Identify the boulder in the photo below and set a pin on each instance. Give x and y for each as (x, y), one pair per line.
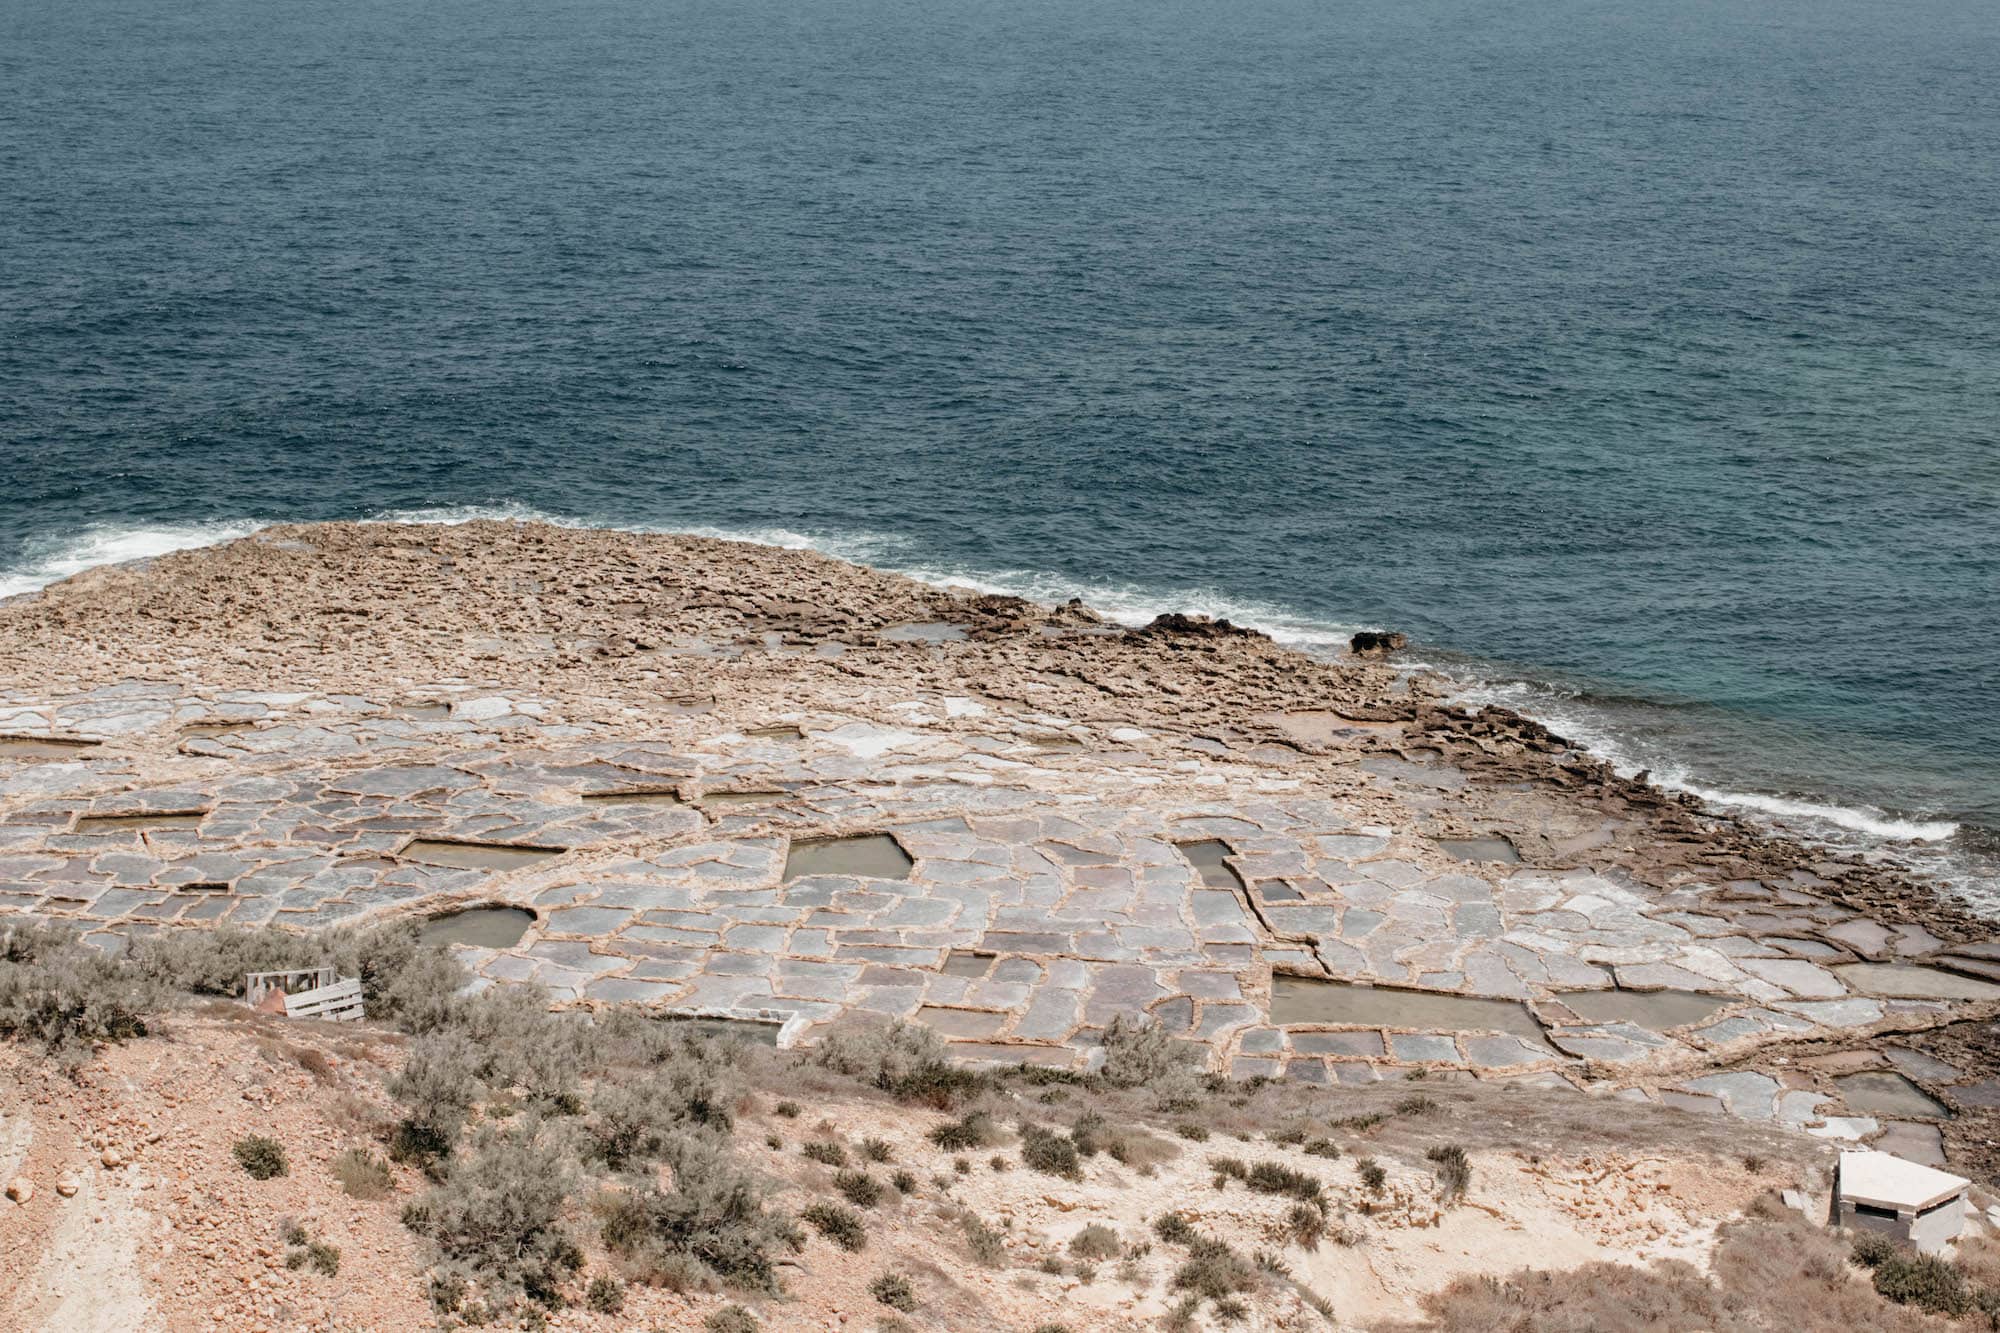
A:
(20, 1189)
(1378, 642)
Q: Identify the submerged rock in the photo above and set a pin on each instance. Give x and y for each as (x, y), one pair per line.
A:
(1376, 643)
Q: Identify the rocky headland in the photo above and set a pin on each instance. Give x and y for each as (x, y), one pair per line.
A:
(797, 798)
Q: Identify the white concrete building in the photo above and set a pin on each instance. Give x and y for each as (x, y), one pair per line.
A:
(1912, 1203)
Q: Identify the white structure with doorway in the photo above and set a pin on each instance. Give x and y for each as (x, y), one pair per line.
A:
(1912, 1203)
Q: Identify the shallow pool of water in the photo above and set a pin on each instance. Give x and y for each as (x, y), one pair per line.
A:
(1656, 1010)
(1884, 1093)
(1209, 857)
(203, 729)
(866, 856)
(475, 855)
(638, 796)
(1296, 1000)
(483, 927)
(1494, 848)
(725, 1029)
(140, 822)
(1903, 981)
(928, 631)
(729, 800)
(42, 747)
(963, 963)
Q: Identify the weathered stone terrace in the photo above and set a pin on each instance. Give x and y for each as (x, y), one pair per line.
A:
(1078, 847)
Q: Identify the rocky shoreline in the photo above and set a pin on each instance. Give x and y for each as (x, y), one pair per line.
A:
(320, 725)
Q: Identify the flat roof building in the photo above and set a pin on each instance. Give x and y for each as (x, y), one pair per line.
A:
(1910, 1202)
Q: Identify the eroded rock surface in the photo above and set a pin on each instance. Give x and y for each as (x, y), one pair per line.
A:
(630, 737)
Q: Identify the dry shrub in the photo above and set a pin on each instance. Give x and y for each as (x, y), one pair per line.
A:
(1049, 1152)
(894, 1290)
(1765, 1275)
(826, 1152)
(261, 1158)
(1127, 1144)
(972, 1130)
(714, 1217)
(1276, 1178)
(859, 1188)
(1138, 1053)
(362, 1175)
(837, 1224)
(1215, 1271)
(1453, 1169)
(906, 1060)
(438, 1085)
(496, 1224)
(63, 995)
(985, 1243)
(1096, 1241)
(633, 1118)
(315, 1063)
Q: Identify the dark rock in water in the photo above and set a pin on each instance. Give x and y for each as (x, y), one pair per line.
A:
(1376, 641)
(1200, 627)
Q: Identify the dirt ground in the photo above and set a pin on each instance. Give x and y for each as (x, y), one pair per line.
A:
(165, 1231)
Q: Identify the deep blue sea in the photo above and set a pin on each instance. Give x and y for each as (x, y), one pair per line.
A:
(1642, 360)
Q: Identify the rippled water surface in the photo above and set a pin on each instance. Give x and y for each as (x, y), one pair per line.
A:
(1642, 361)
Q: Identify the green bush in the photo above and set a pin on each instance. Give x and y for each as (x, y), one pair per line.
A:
(261, 1158)
(1174, 1228)
(1925, 1281)
(1871, 1249)
(1454, 1171)
(894, 1291)
(605, 1295)
(859, 1188)
(1274, 1178)
(732, 1319)
(877, 1150)
(837, 1224)
(1214, 1271)
(973, 1130)
(824, 1151)
(1049, 1152)
(1372, 1174)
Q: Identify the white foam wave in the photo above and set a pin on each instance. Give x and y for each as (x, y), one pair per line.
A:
(1874, 823)
(106, 544)
(1585, 726)
(1126, 603)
